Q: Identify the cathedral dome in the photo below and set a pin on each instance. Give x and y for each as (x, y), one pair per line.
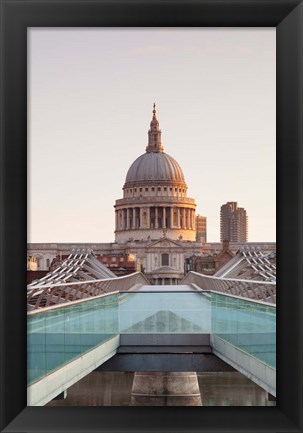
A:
(155, 202)
(154, 167)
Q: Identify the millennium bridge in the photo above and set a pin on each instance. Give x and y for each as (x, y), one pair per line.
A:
(126, 324)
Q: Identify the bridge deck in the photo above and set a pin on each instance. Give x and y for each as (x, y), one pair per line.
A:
(242, 332)
(167, 288)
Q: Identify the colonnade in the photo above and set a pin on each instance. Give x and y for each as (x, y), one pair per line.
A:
(165, 281)
(155, 217)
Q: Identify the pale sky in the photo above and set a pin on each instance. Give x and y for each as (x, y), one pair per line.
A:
(90, 97)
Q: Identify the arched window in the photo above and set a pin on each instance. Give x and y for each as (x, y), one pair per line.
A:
(165, 259)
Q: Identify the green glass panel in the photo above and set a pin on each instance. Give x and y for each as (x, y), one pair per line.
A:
(57, 336)
(54, 339)
(248, 325)
(36, 348)
(144, 312)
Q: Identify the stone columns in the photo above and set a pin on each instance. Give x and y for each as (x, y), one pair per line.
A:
(179, 223)
(171, 217)
(188, 218)
(118, 215)
(122, 219)
(127, 219)
(158, 217)
(192, 219)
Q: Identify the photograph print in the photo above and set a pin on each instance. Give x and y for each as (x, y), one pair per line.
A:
(151, 254)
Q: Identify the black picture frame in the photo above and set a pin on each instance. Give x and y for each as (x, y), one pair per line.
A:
(16, 17)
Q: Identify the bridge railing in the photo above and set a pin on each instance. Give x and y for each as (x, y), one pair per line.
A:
(257, 290)
(61, 333)
(46, 295)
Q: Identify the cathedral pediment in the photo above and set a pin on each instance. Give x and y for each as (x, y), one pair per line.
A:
(164, 243)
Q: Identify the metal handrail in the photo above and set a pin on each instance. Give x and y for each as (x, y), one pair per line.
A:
(44, 295)
(251, 289)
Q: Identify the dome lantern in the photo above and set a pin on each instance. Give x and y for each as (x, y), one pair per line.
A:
(155, 165)
(154, 135)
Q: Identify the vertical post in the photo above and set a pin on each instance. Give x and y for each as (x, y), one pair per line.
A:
(127, 219)
(179, 223)
(156, 218)
(134, 217)
(171, 217)
(184, 219)
(164, 218)
(122, 219)
(116, 219)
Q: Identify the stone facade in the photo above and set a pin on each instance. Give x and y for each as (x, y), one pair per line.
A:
(155, 221)
(162, 261)
(146, 253)
(155, 198)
